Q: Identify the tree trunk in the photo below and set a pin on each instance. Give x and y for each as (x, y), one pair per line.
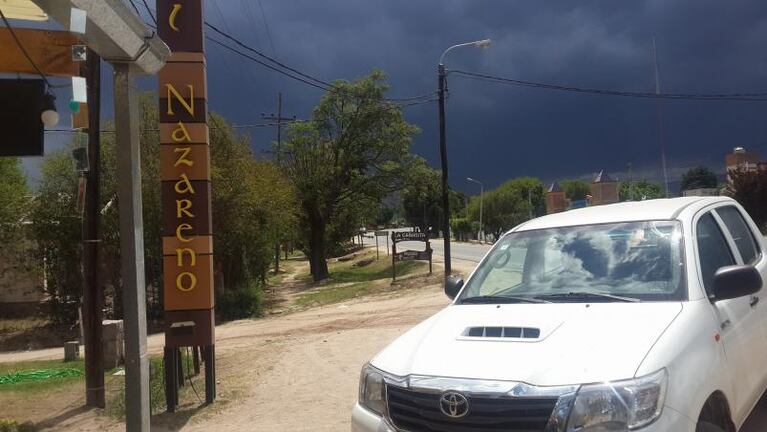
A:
(277, 258)
(317, 262)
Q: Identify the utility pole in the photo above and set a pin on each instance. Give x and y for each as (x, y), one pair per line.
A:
(659, 109)
(93, 297)
(442, 76)
(279, 119)
(631, 183)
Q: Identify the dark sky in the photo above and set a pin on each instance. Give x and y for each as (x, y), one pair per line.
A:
(497, 132)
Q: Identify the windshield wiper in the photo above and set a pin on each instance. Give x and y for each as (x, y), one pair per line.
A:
(490, 299)
(600, 295)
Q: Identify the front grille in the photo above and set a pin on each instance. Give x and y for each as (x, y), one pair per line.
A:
(415, 411)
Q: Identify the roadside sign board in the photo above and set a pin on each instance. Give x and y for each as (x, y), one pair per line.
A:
(409, 255)
(409, 236)
(413, 255)
(187, 226)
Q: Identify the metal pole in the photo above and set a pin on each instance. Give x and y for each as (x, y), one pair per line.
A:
(481, 206)
(93, 297)
(659, 110)
(279, 145)
(131, 249)
(443, 154)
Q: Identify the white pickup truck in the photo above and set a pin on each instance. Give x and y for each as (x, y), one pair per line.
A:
(635, 316)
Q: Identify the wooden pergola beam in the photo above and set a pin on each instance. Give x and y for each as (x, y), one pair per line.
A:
(50, 50)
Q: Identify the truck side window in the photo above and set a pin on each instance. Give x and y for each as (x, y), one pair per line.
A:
(741, 233)
(713, 250)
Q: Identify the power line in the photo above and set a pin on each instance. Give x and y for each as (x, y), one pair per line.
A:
(294, 74)
(135, 8)
(267, 65)
(246, 6)
(266, 57)
(266, 27)
(151, 15)
(24, 50)
(750, 97)
(241, 126)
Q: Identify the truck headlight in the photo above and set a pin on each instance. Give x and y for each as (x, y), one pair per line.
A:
(619, 405)
(372, 390)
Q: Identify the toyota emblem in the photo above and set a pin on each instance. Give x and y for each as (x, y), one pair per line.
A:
(454, 405)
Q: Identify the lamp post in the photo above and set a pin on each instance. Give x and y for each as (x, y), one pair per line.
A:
(481, 193)
(441, 76)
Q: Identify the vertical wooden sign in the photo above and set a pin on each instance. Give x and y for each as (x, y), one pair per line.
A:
(186, 206)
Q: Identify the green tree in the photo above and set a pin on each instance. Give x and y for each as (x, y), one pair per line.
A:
(750, 190)
(352, 152)
(56, 229)
(697, 178)
(253, 206)
(422, 196)
(640, 190)
(575, 190)
(512, 203)
(14, 200)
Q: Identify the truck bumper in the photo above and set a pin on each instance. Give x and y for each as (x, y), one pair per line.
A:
(366, 421)
(670, 421)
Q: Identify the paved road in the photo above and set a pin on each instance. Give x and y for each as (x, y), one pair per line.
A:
(462, 251)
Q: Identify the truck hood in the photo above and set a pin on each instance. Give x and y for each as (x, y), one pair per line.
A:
(578, 343)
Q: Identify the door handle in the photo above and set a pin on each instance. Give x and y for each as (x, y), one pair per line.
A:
(754, 301)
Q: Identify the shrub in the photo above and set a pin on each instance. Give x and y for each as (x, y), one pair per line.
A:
(239, 303)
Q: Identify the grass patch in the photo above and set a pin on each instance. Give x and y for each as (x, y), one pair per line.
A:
(43, 385)
(334, 294)
(380, 269)
(348, 281)
(19, 324)
(116, 408)
(12, 426)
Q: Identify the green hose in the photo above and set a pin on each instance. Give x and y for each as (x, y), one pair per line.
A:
(39, 375)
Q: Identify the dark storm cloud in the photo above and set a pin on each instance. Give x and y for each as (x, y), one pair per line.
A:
(497, 132)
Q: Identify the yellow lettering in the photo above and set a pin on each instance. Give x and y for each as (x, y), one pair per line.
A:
(180, 281)
(182, 208)
(189, 106)
(182, 160)
(179, 232)
(183, 185)
(172, 17)
(180, 256)
(184, 134)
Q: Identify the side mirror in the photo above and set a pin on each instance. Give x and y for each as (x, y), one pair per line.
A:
(736, 281)
(453, 286)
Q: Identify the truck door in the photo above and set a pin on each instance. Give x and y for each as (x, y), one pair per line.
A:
(741, 325)
(748, 245)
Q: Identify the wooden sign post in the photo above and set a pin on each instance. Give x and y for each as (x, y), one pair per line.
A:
(186, 205)
(409, 255)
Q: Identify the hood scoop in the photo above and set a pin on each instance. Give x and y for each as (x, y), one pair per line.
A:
(501, 333)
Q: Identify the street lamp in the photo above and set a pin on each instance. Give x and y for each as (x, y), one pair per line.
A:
(481, 193)
(441, 76)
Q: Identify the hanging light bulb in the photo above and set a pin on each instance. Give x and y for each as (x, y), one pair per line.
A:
(49, 116)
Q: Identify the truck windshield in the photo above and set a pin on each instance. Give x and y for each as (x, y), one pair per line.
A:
(637, 261)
